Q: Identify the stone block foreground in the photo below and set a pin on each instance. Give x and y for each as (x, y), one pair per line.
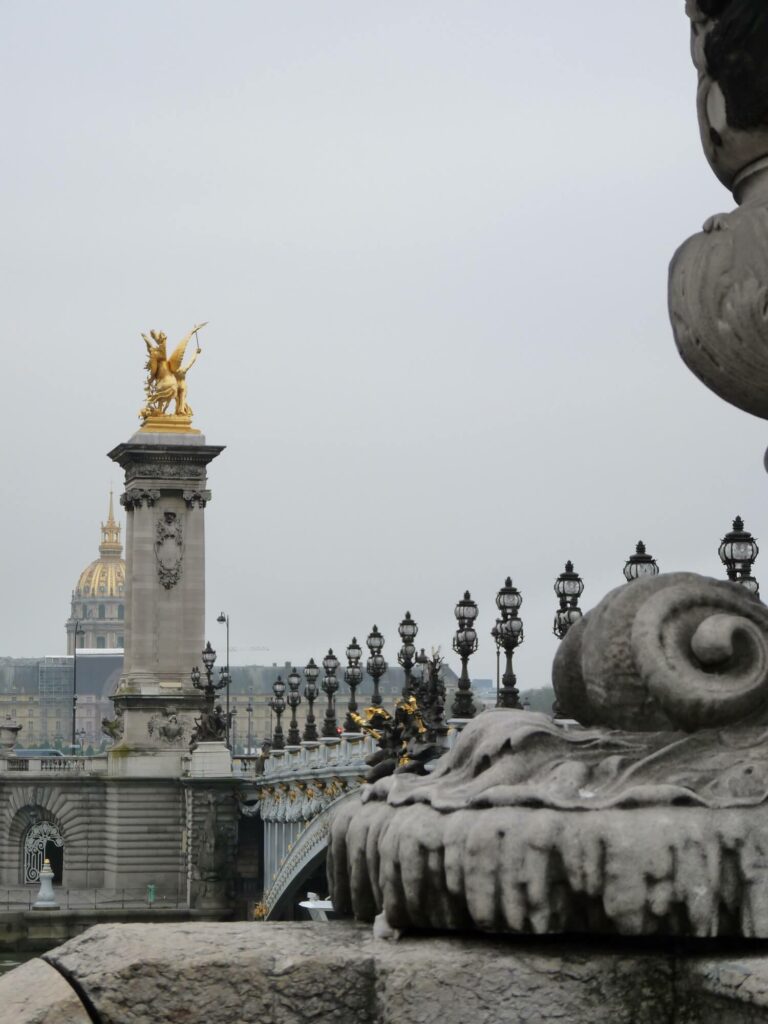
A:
(281, 973)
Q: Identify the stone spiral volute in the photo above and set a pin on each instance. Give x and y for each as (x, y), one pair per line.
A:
(677, 651)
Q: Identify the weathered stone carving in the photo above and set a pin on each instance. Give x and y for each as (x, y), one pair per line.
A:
(196, 498)
(169, 549)
(167, 725)
(136, 497)
(182, 468)
(525, 826)
(718, 300)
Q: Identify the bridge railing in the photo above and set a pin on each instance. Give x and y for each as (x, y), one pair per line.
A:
(55, 765)
(348, 750)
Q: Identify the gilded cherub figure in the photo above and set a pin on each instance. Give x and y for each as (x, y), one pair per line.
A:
(167, 375)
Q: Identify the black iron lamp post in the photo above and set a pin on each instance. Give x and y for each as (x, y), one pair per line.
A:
(77, 632)
(464, 644)
(294, 699)
(738, 551)
(277, 703)
(210, 727)
(330, 686)
(407, 653)
(249, 712)
(223, 617)
(640, 564)
(311, 672)
(569, 587)
(509, 634)
(421, 662)
(496, 634)
(353, 676)
(376, 666)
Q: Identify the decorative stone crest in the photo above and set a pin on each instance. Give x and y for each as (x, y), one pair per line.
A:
(137, 497)
(169, 549)
(197, 499)
(167, 725)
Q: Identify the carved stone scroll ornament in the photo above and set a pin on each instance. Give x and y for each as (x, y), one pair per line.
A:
(136, 497)
(718, 300)
(169, 549)
(661, 828)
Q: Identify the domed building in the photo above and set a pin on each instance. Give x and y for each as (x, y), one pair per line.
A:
(98, 600)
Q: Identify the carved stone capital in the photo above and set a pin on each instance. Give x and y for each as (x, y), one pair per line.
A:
(137, 497)
(197, 499)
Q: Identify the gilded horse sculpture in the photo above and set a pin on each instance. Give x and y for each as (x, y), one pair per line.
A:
(167, 376)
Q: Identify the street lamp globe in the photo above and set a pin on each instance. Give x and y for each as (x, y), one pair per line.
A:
(738, 551)
(569, 585)
(209, 657)
(278, 687)
(640, 564)
(466, 610)
(508, 599)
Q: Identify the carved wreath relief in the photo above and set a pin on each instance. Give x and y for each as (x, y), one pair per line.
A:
(169, 549)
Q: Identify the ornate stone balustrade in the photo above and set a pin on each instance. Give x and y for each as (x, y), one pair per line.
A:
(55, 765)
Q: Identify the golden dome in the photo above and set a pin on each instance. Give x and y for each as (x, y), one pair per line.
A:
(106, 576)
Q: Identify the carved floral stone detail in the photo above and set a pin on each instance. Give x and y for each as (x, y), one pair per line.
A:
(169, 549)
(197, 499)
(137, 497)
(181, 470)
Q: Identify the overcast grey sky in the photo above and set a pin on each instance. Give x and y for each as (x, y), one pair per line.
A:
(431, 238)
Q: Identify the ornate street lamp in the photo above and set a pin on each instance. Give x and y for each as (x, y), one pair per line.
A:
(330, 686)
(464, 644)
(223, 618)
(294, 699)
(640, 564)
(209, 727)
(569, 587)
(353, 676)
(249, 712)
(421, 662)
(311, 672)
(277, 703)
(509, 635)
(738, 551)
(407, 630)
(376, 666)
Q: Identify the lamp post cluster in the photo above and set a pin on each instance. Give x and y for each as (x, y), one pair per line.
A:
(737, 550)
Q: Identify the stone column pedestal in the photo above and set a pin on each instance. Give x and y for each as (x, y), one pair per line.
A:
(165, 498)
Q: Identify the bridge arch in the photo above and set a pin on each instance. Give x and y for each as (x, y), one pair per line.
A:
(304, 858)
(35, 833)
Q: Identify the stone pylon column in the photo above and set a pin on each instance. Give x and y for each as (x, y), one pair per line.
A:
(164, 500)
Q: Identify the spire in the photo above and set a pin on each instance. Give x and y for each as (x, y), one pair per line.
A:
(111, 545)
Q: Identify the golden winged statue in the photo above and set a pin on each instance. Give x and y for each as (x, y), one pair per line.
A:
(167, 380)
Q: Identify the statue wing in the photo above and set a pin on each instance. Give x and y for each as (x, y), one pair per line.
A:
(177, 355)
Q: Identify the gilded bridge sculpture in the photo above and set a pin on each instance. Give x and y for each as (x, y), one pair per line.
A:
(653, 818)
(167, 382)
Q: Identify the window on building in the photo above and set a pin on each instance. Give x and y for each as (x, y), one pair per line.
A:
(101, 641)
(121, 611)
(102, 612)
(121, 640)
